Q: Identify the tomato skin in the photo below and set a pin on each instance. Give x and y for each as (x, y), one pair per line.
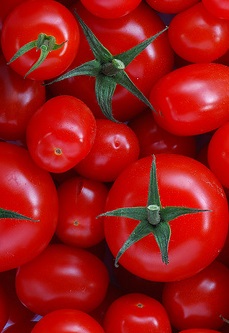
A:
(150, 65)
(182, 181)
(199, 330)
(29, 191)
(136, 312)
(81, 200)
(171, 6)
(60, 133)
(115, 147)
(26, 22)
(200, 300)
(219, 9)
(67, 320)
(197, 36)
(20, 98)
(85, 280)
(193, 99)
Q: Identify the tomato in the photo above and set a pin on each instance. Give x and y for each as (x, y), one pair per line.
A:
(218, 150)
(67, 320)
(219, 9)
(115, 147)
(199, 330)
(200, 300)
(62, 277)
(136, 312)
(20, 98)
(81, 200)
(111, 9)
(198, 36)
(192, 99)
(171, 6)
(30, 191)
(182, 182)
(60, 133)
(31, 21)
(152, 63)
(153, 139)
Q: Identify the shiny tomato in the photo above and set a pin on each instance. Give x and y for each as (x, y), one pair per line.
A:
(198, 36)
(219, 9)
(60, 133)
(31, 21)
(136, 312)
(115, 147)
(182, 182)
(147, 67)
(200, 300)
(62, 277)
(171, 6)
(30, 191)
(192, 99)
(67, 320)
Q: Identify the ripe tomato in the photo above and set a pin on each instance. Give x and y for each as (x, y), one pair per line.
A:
(62, 277)
(219, 9)
(81, 200)
(60, 133)
(67, 320)
(197, 36)
(171, 6)
(110, 9)
(25, 24)
(182, 182)
(200, 300)
(115, 147)
(30, 191)
(20, 98)
(192, 99)
(136, 312)
(199, 330)
(156, 60)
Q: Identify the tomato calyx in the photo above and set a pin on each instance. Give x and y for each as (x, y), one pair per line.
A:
(44, 43)
(108, 70)
(153, 218)
(9, 214)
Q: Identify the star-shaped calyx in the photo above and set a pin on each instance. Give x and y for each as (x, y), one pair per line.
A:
(153, 218)
(108, 70)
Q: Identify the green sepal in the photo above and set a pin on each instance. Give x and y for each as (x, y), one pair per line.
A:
(9, 214)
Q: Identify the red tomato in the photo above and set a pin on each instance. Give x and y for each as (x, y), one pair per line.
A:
(110, 9)
(81, 200)
(151, 64)
(219, 9)
(154, 140)
(25, 23)
(115, 147)
(171, 6)
(198, 36)
(61, 133)
(62, 277)
(136, 312)
(192, 99)
(199, 330)
(67, 320)
(20, 98)
(30, 191)
(182, 182)
(218, 150)
(200, 300)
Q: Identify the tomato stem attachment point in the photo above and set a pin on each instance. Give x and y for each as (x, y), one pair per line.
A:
(153, 214)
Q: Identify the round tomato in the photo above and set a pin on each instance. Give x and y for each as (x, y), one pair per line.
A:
(192, 99)
(135, 237)
(20, 98)
(171, 6)
(52, 33)
(30, 191)
(60, 133)
(67, 320)
(200, 300)
(62, 277)
(197, 36)
(219, 9)
(156, 60)
(136, 312)
(115, 147)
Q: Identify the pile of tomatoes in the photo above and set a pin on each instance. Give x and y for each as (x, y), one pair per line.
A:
(114, 143)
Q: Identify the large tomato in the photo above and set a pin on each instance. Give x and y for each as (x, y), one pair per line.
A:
(30, 191)
(195, 240)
